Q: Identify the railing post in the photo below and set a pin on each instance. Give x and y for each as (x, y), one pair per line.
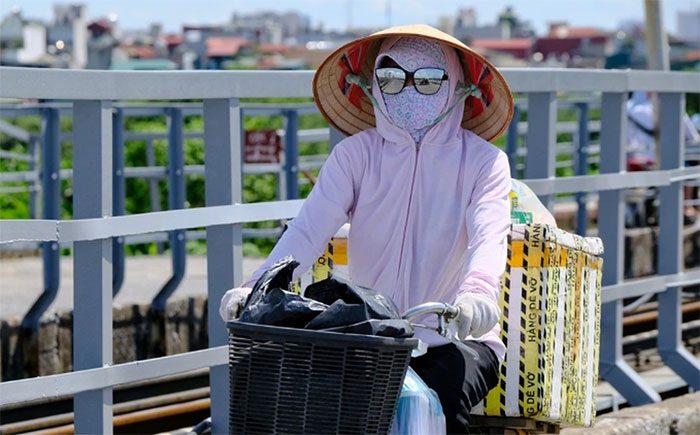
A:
(582, 166)
(670, 257)
(118, 197)
(613, 141)
(540, 161)
(222, 163)
(291, 152)
(176, 201)
(512, 142)
(153, 189)
(92, 295)
(335, 137)
(33, 151)
(51, 209)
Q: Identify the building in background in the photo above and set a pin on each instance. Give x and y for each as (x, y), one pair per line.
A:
(101, 43)
(287, 40)
(576, 47)
(22, 41)
(505, 52)
(465, 27)
(226, 52)
(68, 33)
(688, 26)
(271, 27)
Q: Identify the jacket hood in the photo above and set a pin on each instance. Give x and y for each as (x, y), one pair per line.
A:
(444, 132)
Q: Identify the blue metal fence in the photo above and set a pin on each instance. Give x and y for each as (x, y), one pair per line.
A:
(96, 223)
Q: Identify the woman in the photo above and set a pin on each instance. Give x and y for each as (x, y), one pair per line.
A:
(426, 194)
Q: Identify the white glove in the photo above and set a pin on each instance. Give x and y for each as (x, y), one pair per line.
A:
(232, 303)
(477, 316)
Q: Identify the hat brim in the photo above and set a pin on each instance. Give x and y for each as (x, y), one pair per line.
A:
(352, 115)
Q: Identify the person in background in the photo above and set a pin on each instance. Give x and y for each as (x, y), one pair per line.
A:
(641, 143)
(425, 192)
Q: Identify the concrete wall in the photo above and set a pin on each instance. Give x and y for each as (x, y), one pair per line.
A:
(138, 334)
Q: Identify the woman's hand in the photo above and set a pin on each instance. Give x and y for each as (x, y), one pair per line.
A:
(232, 303)
(477, 315)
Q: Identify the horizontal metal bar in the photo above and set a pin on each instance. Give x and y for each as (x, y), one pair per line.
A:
(131, 108)
(14, 131)
(162, 236)
(586, 80)
(68, 384)
(160, 171)
(9, 177)
(683, 279)
(16, 156)
(308, 135)
(602, 182)
(12, 111)
(95, 229)
(66, 84)
(632, 288)
(311, 135)
(656, 284)
(176, 85)
(16, 230)
(578, 183)
(116, 226)
(683, 174)
(200, 235)
(17, 189)
(563, 126)
(152, 135)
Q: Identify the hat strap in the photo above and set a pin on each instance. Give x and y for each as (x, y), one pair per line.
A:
(356, 80)
(463, 91)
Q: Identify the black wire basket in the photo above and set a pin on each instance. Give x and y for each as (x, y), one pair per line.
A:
(285, 380)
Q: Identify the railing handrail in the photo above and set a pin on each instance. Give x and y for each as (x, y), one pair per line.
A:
(73, 230)
(64, 84)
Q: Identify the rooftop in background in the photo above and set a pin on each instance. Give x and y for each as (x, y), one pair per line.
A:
(225, 46)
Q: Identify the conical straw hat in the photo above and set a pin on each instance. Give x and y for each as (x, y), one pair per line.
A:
(349, 110)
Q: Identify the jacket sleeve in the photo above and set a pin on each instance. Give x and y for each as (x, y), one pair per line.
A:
(325, 210)
(488, 224)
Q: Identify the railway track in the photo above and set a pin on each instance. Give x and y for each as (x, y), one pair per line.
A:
(181, 401)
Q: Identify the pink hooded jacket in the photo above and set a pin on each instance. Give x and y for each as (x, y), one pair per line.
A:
(428, 222)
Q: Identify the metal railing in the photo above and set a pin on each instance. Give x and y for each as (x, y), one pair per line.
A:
(51, 138)
(94, 226)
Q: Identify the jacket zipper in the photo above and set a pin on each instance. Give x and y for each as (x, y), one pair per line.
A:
(408, 212)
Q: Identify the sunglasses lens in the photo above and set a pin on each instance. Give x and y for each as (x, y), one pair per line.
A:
(428, 80)
(390, 80)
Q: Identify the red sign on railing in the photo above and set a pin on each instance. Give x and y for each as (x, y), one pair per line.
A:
(262, 146)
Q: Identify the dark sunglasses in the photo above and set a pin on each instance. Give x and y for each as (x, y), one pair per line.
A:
(427, 81)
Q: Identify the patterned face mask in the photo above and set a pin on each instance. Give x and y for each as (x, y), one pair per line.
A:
(409, 109)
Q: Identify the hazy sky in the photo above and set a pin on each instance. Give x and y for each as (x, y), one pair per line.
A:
(337, 14)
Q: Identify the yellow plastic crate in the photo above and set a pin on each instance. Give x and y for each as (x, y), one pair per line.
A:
(550, 299)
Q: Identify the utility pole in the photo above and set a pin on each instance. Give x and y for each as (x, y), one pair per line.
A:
(656, 54)
(655, 37)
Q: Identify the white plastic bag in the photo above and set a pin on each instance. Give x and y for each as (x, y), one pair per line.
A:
(419, 411)
(526, 208)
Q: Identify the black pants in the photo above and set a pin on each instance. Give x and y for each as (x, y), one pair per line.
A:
(460, 378)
